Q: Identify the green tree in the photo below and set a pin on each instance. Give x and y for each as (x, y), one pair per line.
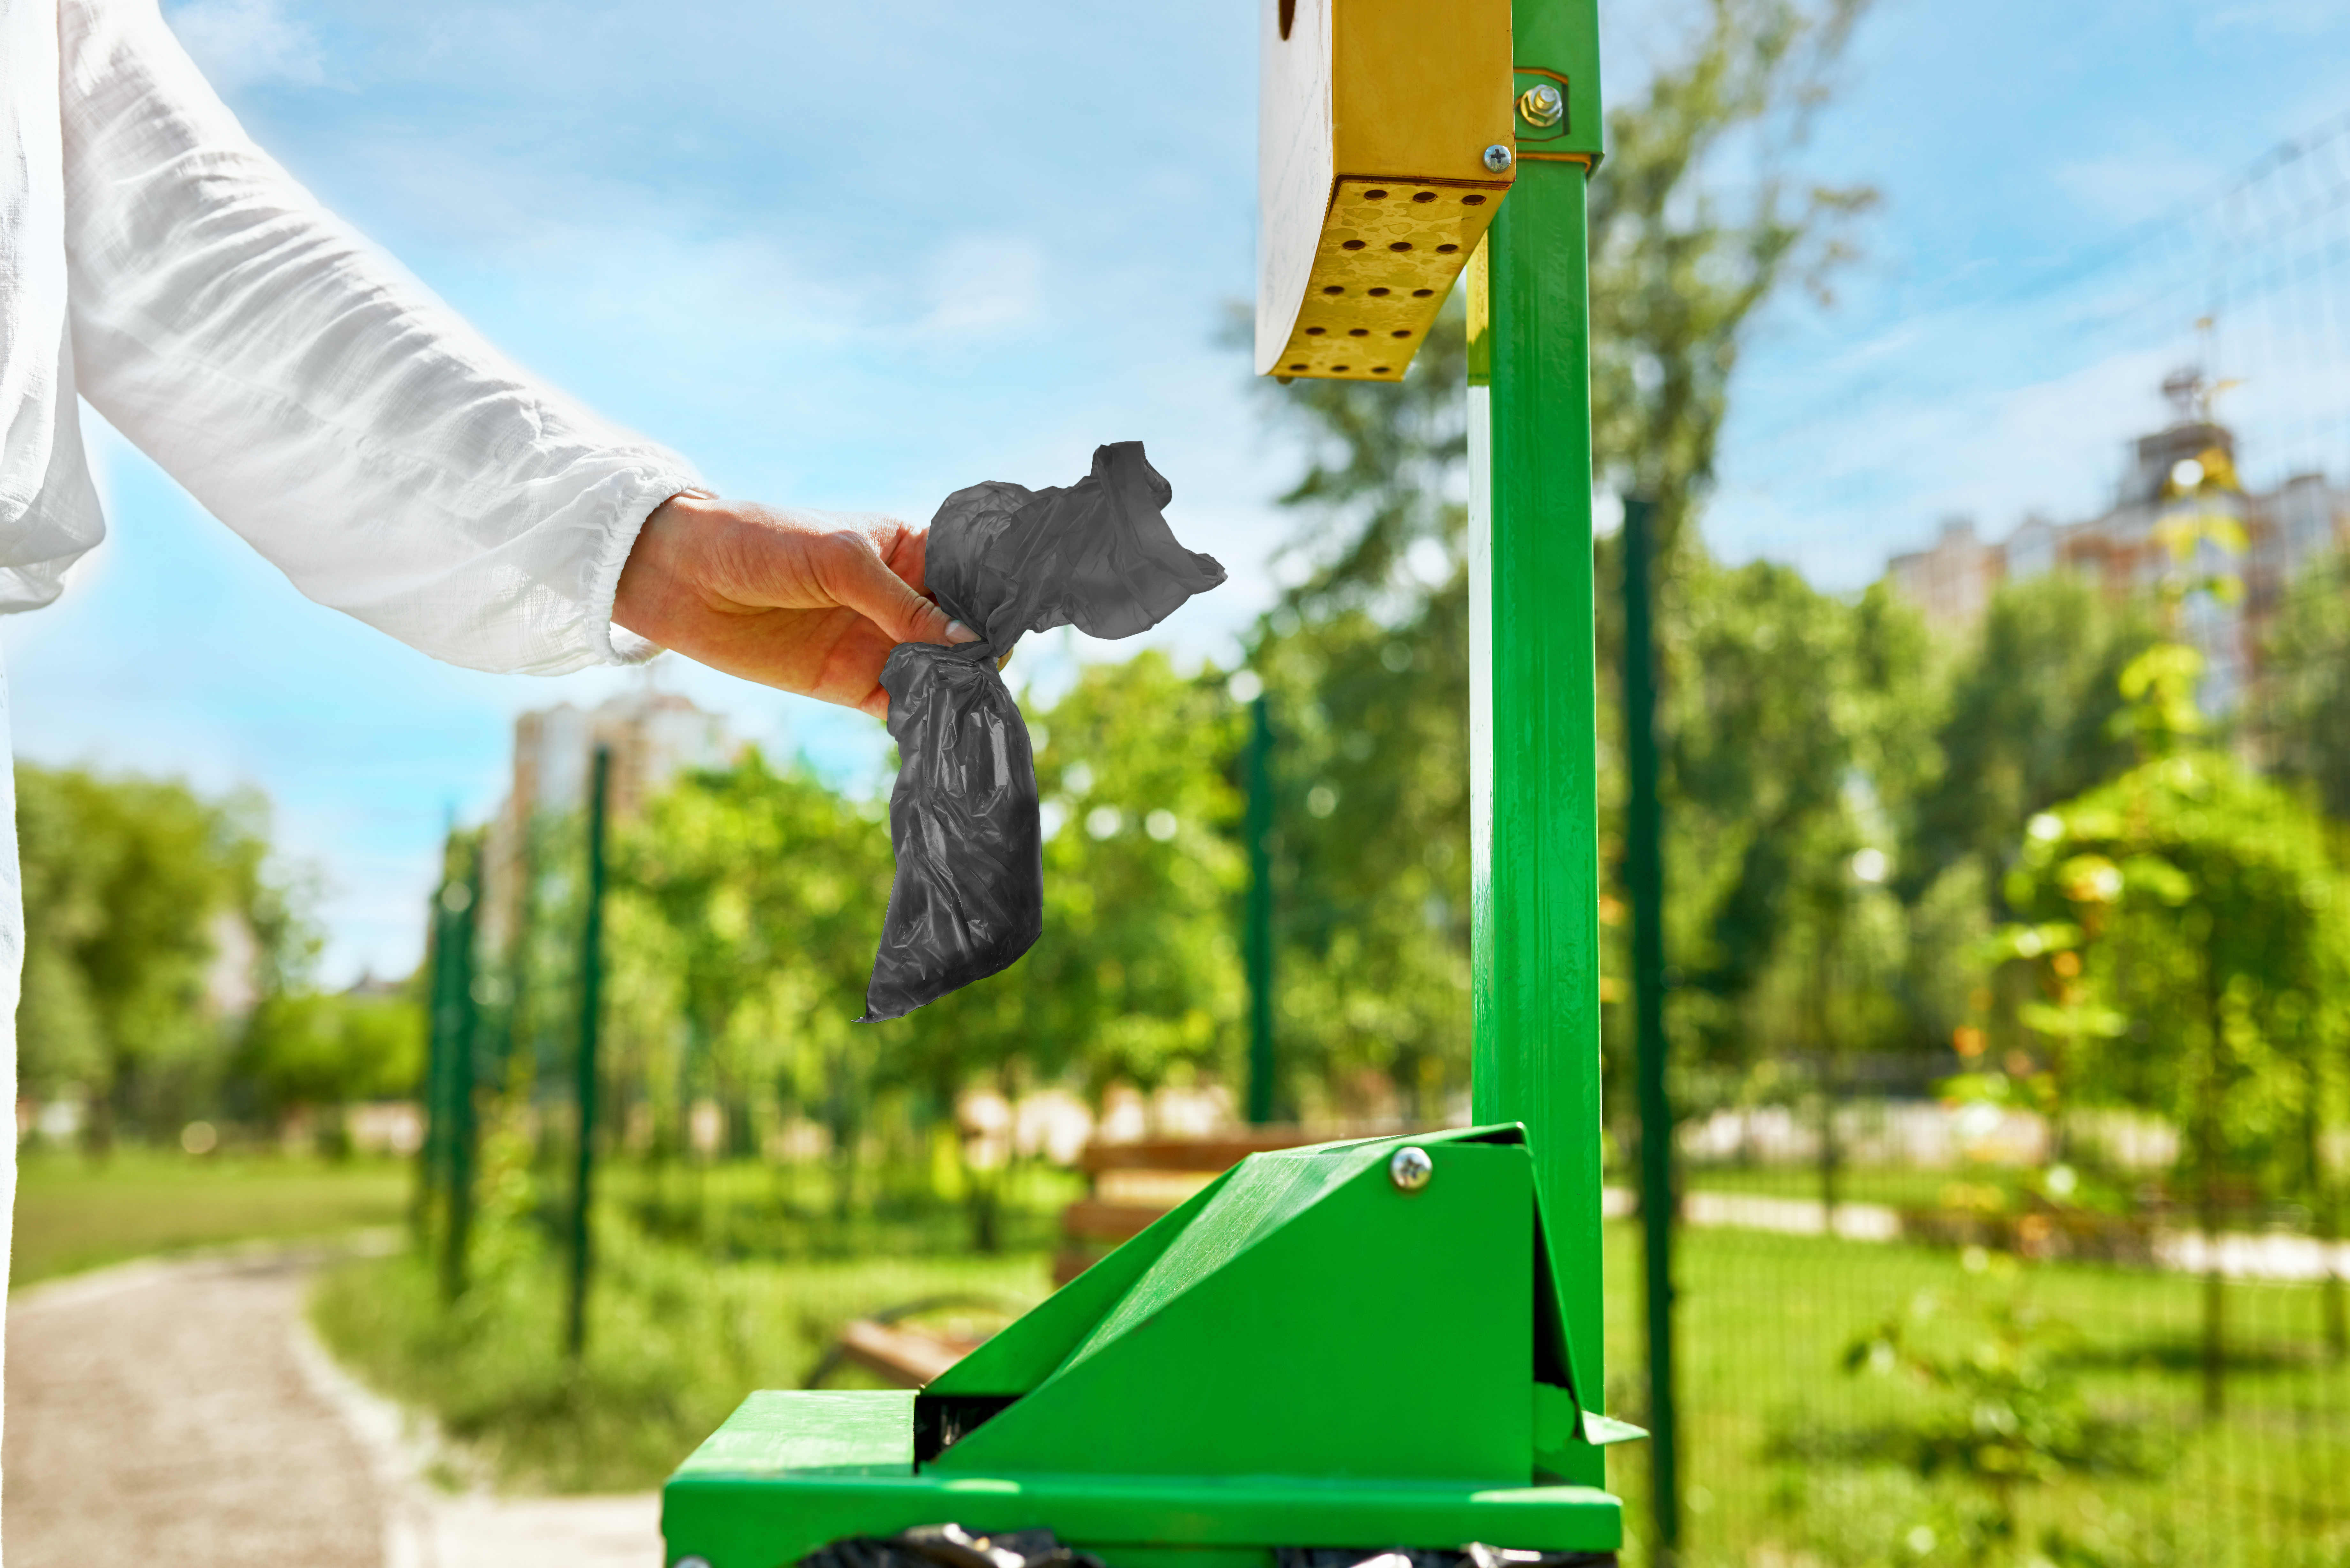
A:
(1796, 727)
(2198, 905)
(320, 1051)
(1136, 979)
(1699, 218)
(2305, 689)
(2031, 719)
(1796, 724)
(2304, 732)
(132, 885)
(745, 905)
(1372, 856)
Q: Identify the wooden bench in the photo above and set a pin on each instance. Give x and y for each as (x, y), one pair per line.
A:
(907, 1355)
(1128, 1186)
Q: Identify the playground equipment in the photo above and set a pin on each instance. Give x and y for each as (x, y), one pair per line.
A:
(1393, 1342)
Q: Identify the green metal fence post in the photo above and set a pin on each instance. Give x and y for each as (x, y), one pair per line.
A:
(1534, 822)
(460, 1072)
(1645, 872)
(435, 1091)
(591, 980)
(1260, 913)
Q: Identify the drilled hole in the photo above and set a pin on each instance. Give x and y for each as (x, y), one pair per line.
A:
(1446, 250)
(1423, 196)
(1472, 200)
(1352, 245)
(1333, 288)
(1342, 366)
(1376, 293)
(1314, 331)
(1379, 369)
(1405, 245)
(1299, 366)
(1421, 293)
(1358, 332)
(1374, 195)
(1400, 332)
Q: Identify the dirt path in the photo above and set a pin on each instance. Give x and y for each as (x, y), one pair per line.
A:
(157, 1415)
(178, 1415)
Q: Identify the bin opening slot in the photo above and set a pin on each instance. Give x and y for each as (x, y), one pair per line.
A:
(943, 1420)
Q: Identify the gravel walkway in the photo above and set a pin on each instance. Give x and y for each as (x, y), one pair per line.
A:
(178, 1415)
(157, 1415)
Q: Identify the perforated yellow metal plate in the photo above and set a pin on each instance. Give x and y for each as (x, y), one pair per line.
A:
(1389, 253)
(1408, 98)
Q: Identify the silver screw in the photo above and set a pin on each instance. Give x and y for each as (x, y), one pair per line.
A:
(690, 1563)
(1543, 104)
(1498, 158)
(1410, 1168)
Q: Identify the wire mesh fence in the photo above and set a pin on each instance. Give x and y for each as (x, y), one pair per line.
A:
(1865, 1397)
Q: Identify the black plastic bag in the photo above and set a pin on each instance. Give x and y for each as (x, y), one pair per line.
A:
(968, 898)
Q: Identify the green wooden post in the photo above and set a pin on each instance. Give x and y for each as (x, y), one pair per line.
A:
(1645, 871)
(1260, 913)
(591, 981)
(1534, 822)
(460, 1077)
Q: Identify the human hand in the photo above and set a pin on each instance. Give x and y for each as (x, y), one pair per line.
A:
(807, 606)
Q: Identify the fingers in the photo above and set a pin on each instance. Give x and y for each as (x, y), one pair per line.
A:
(855, 574)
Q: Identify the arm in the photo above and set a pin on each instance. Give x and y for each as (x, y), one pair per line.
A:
(364, 440)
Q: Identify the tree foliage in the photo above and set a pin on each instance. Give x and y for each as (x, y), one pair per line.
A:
(307, 1049)
(2031, 719)
(2196, 908)
(2304, 723)
(743, 917)
(747, 901)
(1795, 725)
(1135, 978)
(153, 924)
(1699, 217)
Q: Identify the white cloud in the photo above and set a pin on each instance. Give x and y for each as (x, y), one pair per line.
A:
(982, 285)
(2275, 18)
(1839, 497)
(2130, 187)
(246, 42)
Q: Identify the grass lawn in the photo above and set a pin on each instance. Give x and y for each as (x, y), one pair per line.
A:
(1765, 1322)
(675, 1341)
(72, 1215)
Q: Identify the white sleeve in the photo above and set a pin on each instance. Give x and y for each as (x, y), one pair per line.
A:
(315, 397)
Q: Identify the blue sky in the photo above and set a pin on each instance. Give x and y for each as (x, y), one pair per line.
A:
(861, 256)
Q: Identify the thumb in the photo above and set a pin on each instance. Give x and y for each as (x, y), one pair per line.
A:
(863, 581)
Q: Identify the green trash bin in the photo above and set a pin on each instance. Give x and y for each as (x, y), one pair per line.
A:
(1353, 1344)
